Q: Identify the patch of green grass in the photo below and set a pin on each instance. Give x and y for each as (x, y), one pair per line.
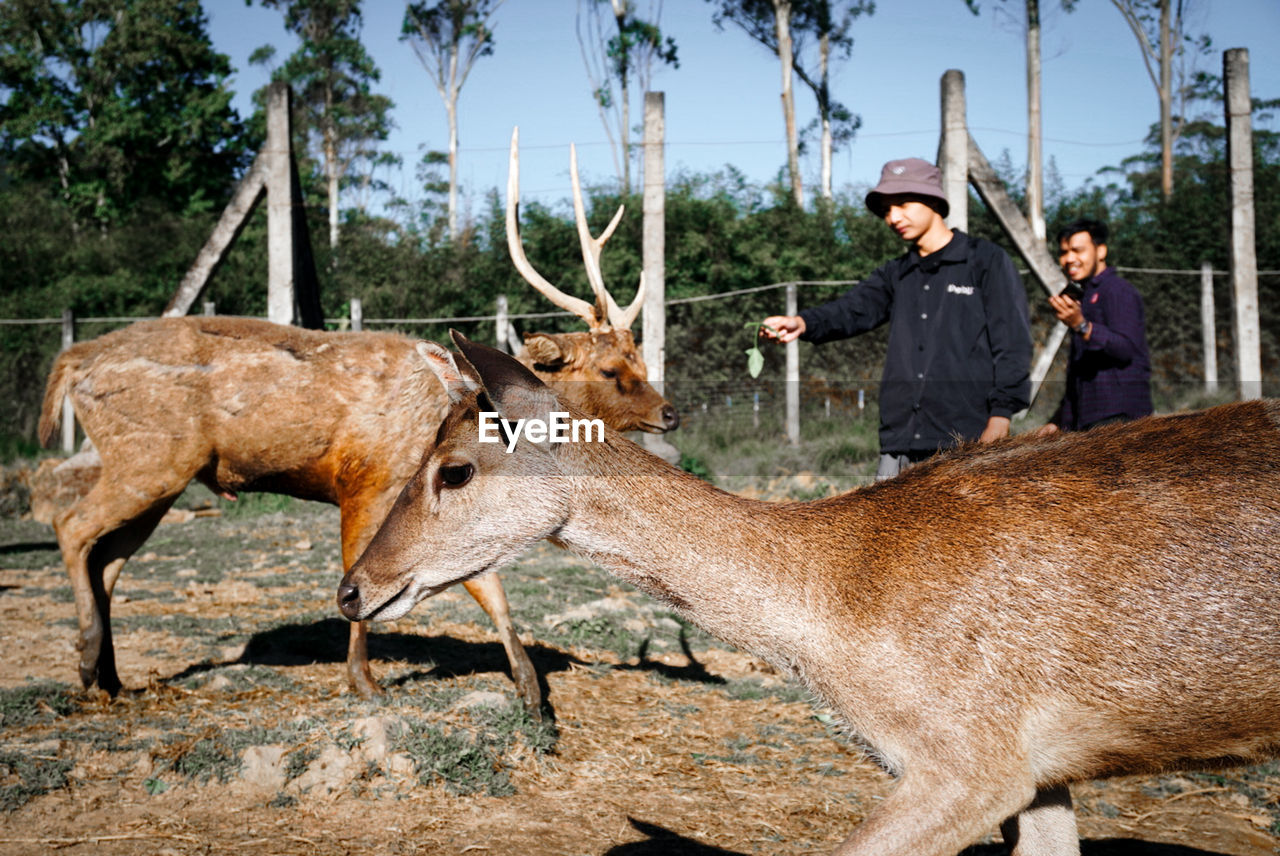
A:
(35, 702)
(603, 632)
(465, 764)
(243, 678)
(468, 762)
(219, 755)
(256, 505)
(751, 689)
(694, 465)
(25, 776)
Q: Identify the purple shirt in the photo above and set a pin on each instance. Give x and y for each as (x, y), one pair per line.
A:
(1108, 376)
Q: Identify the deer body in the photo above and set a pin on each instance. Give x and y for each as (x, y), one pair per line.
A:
(993, 625)
(246, 405)
(340, 417)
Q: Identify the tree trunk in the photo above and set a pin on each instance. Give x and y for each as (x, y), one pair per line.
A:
(782, 19)
(1166, 102)
(824, 56)
(1035, 170)
(331, 174)
(451, 108)
(624, 94)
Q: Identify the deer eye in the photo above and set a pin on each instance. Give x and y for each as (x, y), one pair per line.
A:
(455, 475)
(609, 373)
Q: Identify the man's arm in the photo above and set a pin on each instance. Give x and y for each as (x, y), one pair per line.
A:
(863, 307)
(1123, 333)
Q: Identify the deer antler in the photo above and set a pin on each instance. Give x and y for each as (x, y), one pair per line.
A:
(605, 314)
(577, 306)
(591, 248)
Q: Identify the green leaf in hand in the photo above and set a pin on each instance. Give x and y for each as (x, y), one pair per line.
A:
(755, 358)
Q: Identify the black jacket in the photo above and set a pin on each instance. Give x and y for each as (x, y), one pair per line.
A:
(959, 341)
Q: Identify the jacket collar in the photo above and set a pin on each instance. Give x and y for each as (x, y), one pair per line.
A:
(955, 250)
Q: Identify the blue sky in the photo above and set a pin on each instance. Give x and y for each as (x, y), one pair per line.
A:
(722, 104)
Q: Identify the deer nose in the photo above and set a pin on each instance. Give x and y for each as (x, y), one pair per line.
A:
(349, 600)
(670, 418)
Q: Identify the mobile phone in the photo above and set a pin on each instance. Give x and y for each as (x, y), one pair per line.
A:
(1073, 291)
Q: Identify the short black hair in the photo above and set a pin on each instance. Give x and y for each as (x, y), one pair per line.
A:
(1097, 230)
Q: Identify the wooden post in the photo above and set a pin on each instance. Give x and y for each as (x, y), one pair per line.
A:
(1208, 329)
(293, 291)
(1044, 359)
(953, 150)
(500, 324)
(357, 315)
(1244, 260)
(1033, 252)
(654, 330)
(279, 206)
(210, 308)
(250, 190)
(68, 412)
(793, 373)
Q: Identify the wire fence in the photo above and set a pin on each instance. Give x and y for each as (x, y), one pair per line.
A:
(727, 396)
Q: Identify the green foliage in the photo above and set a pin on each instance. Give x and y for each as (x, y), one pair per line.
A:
(472, 762)
(34, 702)
(338, 118)
(34, 774)
(86, 121)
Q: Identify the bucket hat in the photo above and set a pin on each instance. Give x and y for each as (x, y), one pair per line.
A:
(909, 175)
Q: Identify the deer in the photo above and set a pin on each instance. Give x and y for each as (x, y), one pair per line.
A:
(993, 624)
(242, 404)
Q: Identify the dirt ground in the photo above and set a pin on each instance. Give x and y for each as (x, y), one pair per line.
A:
(238, 734)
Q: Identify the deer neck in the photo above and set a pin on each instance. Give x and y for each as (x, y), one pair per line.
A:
(737, 567)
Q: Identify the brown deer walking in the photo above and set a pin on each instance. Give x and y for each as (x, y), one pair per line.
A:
(993, 625)
(246, 405)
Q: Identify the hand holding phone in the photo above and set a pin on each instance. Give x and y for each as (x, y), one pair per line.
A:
(1074, 291)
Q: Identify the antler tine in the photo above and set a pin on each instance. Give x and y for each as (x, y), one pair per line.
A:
(624, 320)
(568, 302)
(591, 247)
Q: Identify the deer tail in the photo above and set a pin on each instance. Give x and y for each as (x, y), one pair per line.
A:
(59, 381)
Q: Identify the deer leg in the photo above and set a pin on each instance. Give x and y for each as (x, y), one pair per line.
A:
(488, 592)
(1047, 827)
(96, 539)
(359, 674)
(937, 811)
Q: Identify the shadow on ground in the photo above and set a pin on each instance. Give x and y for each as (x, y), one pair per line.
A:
(664, 842)
(1107, 847)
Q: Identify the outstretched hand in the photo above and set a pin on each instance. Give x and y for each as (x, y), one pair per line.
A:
(782, 328)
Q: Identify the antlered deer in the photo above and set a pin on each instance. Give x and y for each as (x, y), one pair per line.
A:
(245, 405)
(994, 624)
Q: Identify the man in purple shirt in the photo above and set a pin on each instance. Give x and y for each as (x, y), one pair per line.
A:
(1108, 372)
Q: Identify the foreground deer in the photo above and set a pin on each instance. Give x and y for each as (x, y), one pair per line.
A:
(994, 624)
(245, 405)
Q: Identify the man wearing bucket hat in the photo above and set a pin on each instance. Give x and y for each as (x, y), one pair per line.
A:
(959, 355)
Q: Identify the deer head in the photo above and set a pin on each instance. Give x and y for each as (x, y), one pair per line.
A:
(521, 484)
(599, 371)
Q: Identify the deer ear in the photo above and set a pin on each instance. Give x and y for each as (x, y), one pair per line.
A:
(512, 388)
(544, 350)
(457, 379)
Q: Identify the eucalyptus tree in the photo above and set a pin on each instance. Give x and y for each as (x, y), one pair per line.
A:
(769, 23)
(1160, 29)
(617, 56)
(334, 77)
(830, 24)
(448, 36)
(785, 28)
(1035, 124)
